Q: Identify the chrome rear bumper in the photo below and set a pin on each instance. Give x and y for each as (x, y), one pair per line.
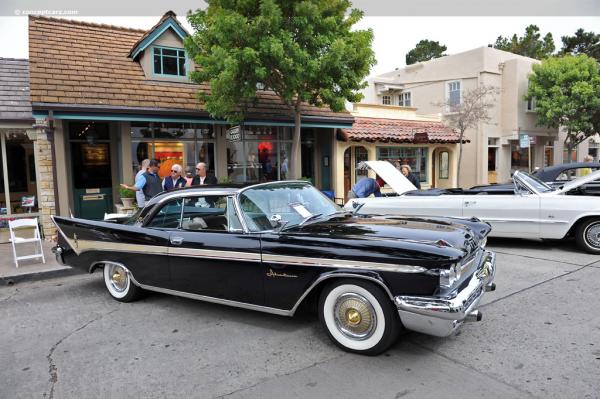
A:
(58, 253)
(441, 316)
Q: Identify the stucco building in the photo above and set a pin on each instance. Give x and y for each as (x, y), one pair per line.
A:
(399, 135)
(511, 140)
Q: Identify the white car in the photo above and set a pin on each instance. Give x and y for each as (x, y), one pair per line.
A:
(534, 210)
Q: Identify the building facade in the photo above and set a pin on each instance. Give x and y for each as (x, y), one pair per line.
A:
(510, 141)
(112, 96)
(26, 177)
(400, 136)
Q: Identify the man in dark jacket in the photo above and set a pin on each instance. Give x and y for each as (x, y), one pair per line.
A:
(149, 182)
(201, 176)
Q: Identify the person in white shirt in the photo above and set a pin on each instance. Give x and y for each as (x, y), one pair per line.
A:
(139, 194)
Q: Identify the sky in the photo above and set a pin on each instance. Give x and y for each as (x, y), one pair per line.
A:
(394, 36)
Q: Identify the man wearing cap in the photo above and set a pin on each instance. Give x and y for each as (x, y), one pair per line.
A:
(148, 182)
(365, 187)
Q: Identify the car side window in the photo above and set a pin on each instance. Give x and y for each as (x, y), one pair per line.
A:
(168, 216)
(205, 213)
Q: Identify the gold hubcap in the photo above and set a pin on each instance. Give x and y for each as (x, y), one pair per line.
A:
(353, 317)
(118, 278)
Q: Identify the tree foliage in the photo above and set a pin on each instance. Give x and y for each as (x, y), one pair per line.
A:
(567, 95)
(474, 108)
(304, 51)
(582, 42)
(529, 45)
(425, 50)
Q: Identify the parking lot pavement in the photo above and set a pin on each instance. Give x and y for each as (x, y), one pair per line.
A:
(540, 337)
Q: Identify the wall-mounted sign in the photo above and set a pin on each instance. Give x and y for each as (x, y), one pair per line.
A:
(524, 141)
(234, 134)
(41, 123)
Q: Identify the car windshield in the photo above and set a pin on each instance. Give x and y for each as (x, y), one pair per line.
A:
(290, 203)
(534, 182)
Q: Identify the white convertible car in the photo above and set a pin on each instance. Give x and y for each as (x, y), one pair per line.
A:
(534, 210)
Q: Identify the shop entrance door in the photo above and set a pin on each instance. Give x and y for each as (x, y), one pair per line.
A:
(91, 169)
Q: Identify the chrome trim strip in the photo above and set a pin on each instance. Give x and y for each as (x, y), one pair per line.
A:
(342, 263)
(243, 305)
(525, 221)
(215, 254)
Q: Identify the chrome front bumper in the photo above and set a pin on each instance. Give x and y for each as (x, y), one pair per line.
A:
(441, 316)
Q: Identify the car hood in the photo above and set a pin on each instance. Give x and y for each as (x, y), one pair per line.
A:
(391, 176)
(460, 234)
(580, 181)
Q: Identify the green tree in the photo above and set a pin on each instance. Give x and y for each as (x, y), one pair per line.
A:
(530, 45)
(567, 95)
(303, 51)
(582, 43)
(425, 50)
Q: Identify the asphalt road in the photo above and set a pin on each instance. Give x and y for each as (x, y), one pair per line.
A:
(540, 337)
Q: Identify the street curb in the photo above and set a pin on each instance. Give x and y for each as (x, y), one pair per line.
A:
(42, 275)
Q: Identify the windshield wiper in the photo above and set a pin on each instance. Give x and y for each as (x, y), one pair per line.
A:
(309, 218)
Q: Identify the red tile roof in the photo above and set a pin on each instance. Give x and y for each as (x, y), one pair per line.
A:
(74, 63)
(385, 130)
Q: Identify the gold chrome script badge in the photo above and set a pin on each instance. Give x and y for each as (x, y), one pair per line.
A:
(271, 273)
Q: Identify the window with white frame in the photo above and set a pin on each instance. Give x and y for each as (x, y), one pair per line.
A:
(404, 99)
(386, 100)
(453, 93)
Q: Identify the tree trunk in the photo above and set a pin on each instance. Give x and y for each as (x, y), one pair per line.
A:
(460, 151)
(569, 145)
(295, 160)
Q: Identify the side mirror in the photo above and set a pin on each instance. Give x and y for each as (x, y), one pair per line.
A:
(275, 220)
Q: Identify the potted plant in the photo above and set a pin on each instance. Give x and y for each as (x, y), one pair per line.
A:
(127, 197)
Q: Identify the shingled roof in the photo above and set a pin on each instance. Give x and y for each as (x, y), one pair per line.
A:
(386, 130)
(14, 90)
(75, 63)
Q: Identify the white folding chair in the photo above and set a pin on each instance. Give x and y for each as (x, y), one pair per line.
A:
(26, 224)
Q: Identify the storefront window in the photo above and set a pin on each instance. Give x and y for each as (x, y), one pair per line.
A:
(519, 157)
(173, 143)
(19, 166)
(415, 157)
(259, 153)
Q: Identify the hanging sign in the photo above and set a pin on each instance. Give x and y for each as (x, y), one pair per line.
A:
(524, 141)
(234, 134)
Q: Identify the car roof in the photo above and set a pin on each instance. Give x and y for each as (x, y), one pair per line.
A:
(549, 173)
(222, 189)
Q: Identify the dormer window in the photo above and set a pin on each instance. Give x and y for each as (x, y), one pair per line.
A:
(169, 61)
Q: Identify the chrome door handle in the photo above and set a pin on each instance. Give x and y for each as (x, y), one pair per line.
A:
(176, 240)
(467, 203)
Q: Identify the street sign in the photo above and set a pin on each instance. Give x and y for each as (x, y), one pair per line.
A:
(524, 141)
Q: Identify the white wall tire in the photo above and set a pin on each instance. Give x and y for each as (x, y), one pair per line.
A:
(358, 316)
(117, 279)
(587, 236)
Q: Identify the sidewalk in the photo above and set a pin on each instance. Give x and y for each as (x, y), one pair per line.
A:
(31, 268)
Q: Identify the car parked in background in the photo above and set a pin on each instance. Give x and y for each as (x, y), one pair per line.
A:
(532, 209)
(555, 176)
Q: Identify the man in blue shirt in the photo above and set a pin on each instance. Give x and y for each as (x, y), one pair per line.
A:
(367, 186)
(149, 182)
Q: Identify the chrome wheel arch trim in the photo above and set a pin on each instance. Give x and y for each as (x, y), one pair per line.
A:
(341, 274)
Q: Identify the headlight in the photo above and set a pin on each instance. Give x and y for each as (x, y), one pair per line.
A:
(449, 276)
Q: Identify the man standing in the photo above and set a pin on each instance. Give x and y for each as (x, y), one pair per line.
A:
(407, 172)
(175, 180)
(365, 187)
(139, 195)
(148, 182)
(201, 176)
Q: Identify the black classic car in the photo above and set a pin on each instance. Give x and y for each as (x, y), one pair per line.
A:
(555, 176)
(274, 246)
